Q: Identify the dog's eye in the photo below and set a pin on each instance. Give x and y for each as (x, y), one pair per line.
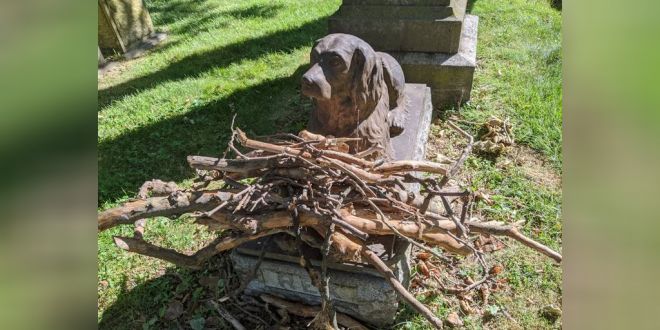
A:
(335, 61)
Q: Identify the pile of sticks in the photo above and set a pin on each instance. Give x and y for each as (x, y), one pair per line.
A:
(309, 187)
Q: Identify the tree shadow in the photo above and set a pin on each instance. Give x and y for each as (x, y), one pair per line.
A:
(556, 4)
(193, 17)
(470, 4)
(147, 303)
(159, 150)
(196, 64)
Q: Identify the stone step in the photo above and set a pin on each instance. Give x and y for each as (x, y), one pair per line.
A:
(411, 27)
(449, 75)
(384, 12)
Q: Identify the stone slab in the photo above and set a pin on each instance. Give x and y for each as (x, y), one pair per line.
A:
(449, 75)
(411, 144)
(359, 290)
(410, 28)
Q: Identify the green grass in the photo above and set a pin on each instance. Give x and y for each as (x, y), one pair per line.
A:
(246, 58)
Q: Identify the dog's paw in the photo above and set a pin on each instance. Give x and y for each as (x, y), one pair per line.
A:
(396, 118)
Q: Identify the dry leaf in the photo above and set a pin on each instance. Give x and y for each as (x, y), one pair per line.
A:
(423, 256)
(421, 266)
(453, 320)
(465, 307)
(496, 269)
(174, 310)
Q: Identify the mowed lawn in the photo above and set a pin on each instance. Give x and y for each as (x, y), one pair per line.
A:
(246, 58)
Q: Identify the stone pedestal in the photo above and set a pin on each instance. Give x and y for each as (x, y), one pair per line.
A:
(358, 289)
(434, 41)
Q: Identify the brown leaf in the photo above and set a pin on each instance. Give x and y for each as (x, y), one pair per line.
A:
(496, 269)
(453, 320)
(465, 307)
(423, 256)
(174, 310)
(421, 266)
(485, 293)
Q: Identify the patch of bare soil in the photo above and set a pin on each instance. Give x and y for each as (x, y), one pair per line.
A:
(445, 142)
(108, 74)
(533, 165)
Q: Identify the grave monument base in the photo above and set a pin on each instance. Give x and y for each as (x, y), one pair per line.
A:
(357, 289)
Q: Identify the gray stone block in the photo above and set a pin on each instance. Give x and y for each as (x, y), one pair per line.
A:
(411, 144)
(355, 290)
(358, 289)
(449, 75)
(391, 25)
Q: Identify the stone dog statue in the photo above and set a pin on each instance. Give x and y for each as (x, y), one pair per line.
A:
(357, 92)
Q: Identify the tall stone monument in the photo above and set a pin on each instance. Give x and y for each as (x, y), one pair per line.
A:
(434, 40)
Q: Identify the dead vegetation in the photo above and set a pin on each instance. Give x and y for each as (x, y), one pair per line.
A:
(308, 187)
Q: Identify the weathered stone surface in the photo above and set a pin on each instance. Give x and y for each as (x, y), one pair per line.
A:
(359, 290)
(411, 144)
(344, 104)
(101, 58)
(449, 75)
(109, 40)
(124, 26)
(356, 290)
(390, 25)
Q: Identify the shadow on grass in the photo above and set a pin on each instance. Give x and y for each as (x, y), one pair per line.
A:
(196, 64)
(145, 305)
(159, 150)
(470, 4)
(556, 4)
(191, 18)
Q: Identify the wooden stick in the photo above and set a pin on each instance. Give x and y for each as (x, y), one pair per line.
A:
(194, 261)
(142, 247)
(273, 148)
(227, 316)
(375, 226)
(513, 232)
(380, 266)
(411, 166)
(310, 311)
(243, 166)
(176, 203)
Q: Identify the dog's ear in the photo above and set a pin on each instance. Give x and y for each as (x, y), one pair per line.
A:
(367, 71)
(311, 52)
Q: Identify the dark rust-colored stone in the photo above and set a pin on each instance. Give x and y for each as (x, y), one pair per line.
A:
(357, 92)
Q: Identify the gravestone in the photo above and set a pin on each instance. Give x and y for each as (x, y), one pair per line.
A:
(356, 92)
(434, 40)
(357, 289)
(125, 27)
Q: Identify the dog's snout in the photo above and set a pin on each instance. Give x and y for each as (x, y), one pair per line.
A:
(314, 83)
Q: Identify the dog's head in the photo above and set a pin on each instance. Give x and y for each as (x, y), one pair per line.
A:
(345, 67)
